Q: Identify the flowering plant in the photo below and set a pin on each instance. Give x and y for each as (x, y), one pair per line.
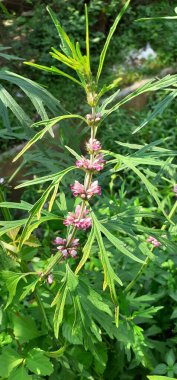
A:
(86, 242)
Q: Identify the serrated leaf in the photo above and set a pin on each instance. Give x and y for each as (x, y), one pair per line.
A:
(20, 373)
(9, 359)
(24, 328)
(29, 289)
(38, 363)
(12, 279)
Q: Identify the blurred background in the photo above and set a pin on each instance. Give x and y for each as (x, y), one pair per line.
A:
(138, 51)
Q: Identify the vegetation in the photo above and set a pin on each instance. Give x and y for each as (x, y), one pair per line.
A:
(104, 306)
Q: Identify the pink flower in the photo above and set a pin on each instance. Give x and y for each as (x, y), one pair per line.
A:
(175, 190)
(79, 189)
(97, 164)
(60, 241)
(93, 189)
(66, 248)
(78, 220)
(93, 145)
(83, 224)
(153, 241)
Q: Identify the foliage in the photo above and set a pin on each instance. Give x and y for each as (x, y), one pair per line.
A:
(111, 311)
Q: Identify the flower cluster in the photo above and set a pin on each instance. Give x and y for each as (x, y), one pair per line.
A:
(93, 145)
(62, 245)
(175, 190)
(96, 165)
(79, 219)
(153, 241)
(79, 190)
(93, 118)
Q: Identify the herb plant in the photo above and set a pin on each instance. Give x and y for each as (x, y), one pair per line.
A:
(66, 308)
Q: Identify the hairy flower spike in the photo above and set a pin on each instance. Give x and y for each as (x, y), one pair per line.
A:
(66, 248)
(81, 222)
(96, 165)
(153, 241)
(93, 145)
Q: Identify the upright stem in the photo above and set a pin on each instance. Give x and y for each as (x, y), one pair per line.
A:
(147, 261)
(87, 182)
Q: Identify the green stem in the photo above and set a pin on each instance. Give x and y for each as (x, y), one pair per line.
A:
(41, 307)
(88, 178)
(54, 260)
(147, 261)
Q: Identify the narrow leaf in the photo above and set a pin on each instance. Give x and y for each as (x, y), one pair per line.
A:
(111, 32)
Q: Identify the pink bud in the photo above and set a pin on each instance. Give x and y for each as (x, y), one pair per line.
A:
(50, 279)
(153, 241)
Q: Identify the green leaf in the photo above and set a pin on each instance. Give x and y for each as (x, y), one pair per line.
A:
(111, 32)
(38, 363)
(129, 162)
(24, 328)
(29, 289)
(9, 102)
(161, 369)
(67, 45)
(12, 279)
(51, 177)
(20, 206)
(118, 244)
(151, 85)
(8, 247)
(72, 151)
(158, 110)
(49, 124)
(54, 70)
(109, 275)
(9, 359)
(156, 377)
(72, 280)
(87, 36)
(56, 354)
(59, 300)
(20, 373)
(170, 358)
(101, 358)
(86, 251)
